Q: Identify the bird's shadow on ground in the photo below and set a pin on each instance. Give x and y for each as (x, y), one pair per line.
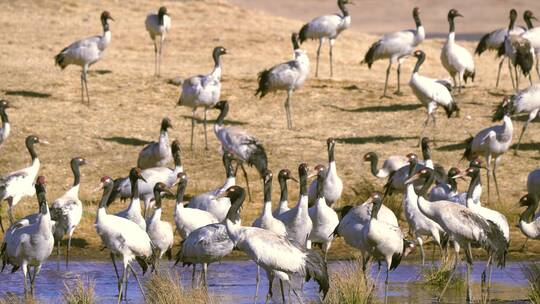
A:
(381, 139)
(388, 108)
(25, 93)
(131, 141)
(452, 147)
(527, 147)
(213, 121)
(99, 72)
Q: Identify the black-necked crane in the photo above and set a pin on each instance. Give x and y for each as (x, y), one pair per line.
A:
(494, 40)
(525, 101)
(323, 217)
(327, 27)
(533, 190)
(86, 52)
(207, 244)
(188, 220)
(123, 238)
(168, 176)
(31, 245)
(213, 201)
(396, 47)
(16, 185)
(288, 76)
(159, 231)
(389, 166)
(244, 147)
(6, 127)
(529, 222)
(431, 92)
(447, 190)
(333, 185)
(492, 142)
(419, 224)
(279, 257)
(297, 220)
(267, 220)
(158, 25)
(133, 211)
(457, 60)
(384, 242)
(67, 210)
(519, 52)
(533, 35)
(157, 154)
(464, 226)
(203, 91)
(283, 176)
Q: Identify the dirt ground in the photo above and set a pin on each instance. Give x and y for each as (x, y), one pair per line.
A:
(128, 102)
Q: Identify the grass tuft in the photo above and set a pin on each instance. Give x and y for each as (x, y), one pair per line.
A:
(349, 286)
(80, 292)
(532, 273)
(436, 277)
(165, 288)
(11, 298)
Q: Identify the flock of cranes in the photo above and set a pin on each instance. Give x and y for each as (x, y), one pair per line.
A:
(282, 241)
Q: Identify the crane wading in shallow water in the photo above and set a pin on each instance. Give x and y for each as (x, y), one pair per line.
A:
(86, 52)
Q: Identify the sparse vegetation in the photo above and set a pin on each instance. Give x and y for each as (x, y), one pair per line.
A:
(436, 277)
(11, 298)
(165, 288)
(348, 285)
(532, 272)
(79, 292)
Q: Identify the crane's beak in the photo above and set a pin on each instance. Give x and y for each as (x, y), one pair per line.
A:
(143, 179)
(459, 15)
(294, 179)
(169, 192)
(99, 187)
(43, 142)
(461, 175)
(412, 178)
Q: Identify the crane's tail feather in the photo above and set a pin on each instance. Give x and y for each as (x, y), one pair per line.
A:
(143, 263)
(467, 154)
(263, 79)
(179, 254)
(302, 36)
(482, 45)
(524, 58)
(370, 56)
(469, 74)
(60, 59)
(501, 51)
(317, 269)
(258, 158)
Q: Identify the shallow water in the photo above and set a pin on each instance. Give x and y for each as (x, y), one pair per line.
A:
(234, 282)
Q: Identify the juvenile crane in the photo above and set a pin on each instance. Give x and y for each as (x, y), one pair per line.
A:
(86, 52)
(31, 245)
(6, 127)
(288, 76)
(333, 186)
(203, 91)
(157, 154)
(67, 210)
(327, 27)
(389, 166)
(396, 47)
(159, 231)
(243, 146)
(123, 238)
(16, 185)
(432, 93)
(274, 253)
(457, 60)
(158, 25)
(492, 142)
(533, 35)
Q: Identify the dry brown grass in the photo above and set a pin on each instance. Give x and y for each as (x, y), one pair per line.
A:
(349, 285)
(80, 292)
(129, 103)
(165, 288)
(10, 298)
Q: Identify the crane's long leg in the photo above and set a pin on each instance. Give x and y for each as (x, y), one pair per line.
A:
(460, 83)
(58, 254)
(532, 115)
(247, 180)
(450, 278)
(155, 57)
(1, 224)
(331, 43)
(121, 283)
(281, 288)
(270, 281)
(116, 271)
(517, 78)
(422, 254)
(160, 53)
(204, 271)
(138, 282)
(365, 261)
(398, 92)
(10, 211)
(297, 296)
(524, 246)
(257, 279)
(288, 109)
(318, 54)
(386, 287)
(469, 266)
(495, 178)
(386, 81)
(499, 73)
(537, 66)
(192, 126)
(205, 134)
(82, 87)
(511, 73)
(85, 73)
(488, 168)
(193, 276)
(485, 273)
(25, 274)
(70, 234)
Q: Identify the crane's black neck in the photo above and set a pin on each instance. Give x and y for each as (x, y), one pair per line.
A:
(320, 185)
(416, 17)
(268, 190)
(343, 8)
(475, 181)
(528, 22)
(284, 195)
(429, 181)
(217, 59)
(453, 183)
(236, 203)
(374, 160)
(426, 151)
(412, 166)
(76, 172)
(134, 180)
(528, 215)
(107, 190)
(222, 114)
(377, 204)
(177, 157)
(157, 198)
(451, 23)
(229, 170)
(303, 181)
(180, 191)
(161, 16)
(419, 63)
(513, 17)
(42, 200)
(105, 25)
(31, 148)
(331, 146)
(3, 115)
